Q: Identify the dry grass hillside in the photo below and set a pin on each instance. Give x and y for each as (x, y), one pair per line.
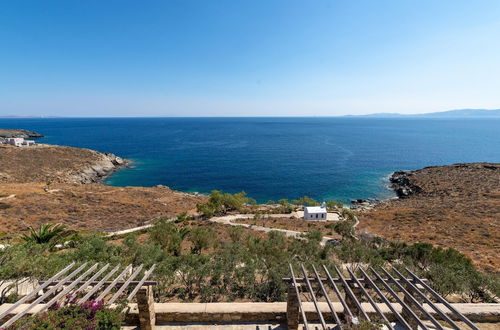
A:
(26, 198)
(49, 163)
(91, 207)
(457, 206)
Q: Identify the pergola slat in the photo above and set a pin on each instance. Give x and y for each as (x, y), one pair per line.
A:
(348, 291)
(37, 289)
(69, 286)
(370, 299)
(427, 300)
(141, 282)
(313, 297)
(337, 292)
(66, 290)
(414, 301)
(112, 285)
(399, 300)
(41, 298)
(443, 301)
(385, 300)
(90, 280)
(302, 311)
(98, 285)
(328, 300)
(125, 285)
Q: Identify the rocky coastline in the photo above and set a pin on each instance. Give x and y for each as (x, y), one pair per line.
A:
(402, 184)
(19, 133)
(454, 206)
(100, 169)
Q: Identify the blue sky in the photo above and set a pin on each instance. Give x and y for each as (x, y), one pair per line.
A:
(247, 58)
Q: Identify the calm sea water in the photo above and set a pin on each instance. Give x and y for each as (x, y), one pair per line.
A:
(273, 158)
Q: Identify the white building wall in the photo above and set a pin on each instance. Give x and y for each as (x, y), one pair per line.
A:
(314, 216)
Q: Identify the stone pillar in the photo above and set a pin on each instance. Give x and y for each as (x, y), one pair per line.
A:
(292, 308)
(146, 306)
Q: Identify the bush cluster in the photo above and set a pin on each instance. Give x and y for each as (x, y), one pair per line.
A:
(246, 267)
(220, 203)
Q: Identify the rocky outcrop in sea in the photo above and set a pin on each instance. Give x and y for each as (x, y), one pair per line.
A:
(106, 164)
(402, 185)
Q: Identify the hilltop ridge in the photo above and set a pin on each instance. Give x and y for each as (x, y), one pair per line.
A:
(459, 113)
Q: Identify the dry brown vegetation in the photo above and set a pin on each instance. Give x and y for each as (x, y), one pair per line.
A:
(292, 223)
(222, 234)
(90, 207)
(45, 163)
(27, 198)
(458, 207)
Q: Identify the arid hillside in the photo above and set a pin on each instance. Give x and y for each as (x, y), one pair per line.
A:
(91, 207)
(49, 163)
(56, 184)
(450, 206)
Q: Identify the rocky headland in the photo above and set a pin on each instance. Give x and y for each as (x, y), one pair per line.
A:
(58, 184)
(56, 164)
(17, 133)
(454, 206)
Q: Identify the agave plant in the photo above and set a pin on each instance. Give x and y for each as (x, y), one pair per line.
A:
(47, 233)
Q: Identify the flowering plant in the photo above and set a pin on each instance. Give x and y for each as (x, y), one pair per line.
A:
(71, 315)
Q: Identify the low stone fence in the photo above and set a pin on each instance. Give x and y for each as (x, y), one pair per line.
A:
(276, 312)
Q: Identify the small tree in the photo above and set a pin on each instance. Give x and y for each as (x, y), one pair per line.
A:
(348, 214)
(345, 229)
(220, 203)
(334, 205)
(202, 239)
(169, 236)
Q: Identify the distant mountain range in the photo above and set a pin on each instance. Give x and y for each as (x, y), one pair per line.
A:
(443, 114)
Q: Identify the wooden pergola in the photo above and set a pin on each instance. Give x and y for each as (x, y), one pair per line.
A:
(94, 283)
(410, 300)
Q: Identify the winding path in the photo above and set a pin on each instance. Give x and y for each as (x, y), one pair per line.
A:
(228, 220)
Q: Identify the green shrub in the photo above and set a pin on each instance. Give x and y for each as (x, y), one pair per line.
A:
(334, 205)
(168, 236)
(306, 201)
(220, 203)
(202, 238)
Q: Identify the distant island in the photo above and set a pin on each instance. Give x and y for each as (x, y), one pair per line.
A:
(462, 113)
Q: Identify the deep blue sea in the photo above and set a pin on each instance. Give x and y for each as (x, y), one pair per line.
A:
(273, 158)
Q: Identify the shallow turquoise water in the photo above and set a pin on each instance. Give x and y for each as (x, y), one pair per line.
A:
(273, 158)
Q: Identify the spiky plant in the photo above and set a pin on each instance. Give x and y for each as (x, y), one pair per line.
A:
(47, 233)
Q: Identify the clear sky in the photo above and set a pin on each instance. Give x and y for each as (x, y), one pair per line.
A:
(247, 58)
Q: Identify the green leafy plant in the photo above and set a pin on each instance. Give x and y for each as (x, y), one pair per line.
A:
(220, 203)
(201, 239)
(168, 236)
(47, 233)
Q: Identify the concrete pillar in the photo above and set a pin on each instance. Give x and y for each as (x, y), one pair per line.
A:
(292, 308)
(146, 306)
